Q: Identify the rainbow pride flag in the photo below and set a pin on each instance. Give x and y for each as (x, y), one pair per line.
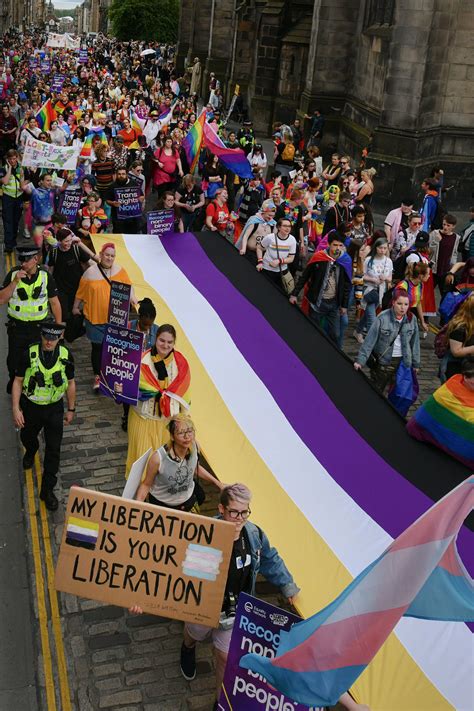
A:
(136, 122)
(446, 420)
(192, 142)
(87, 147)
(46, 115)
(234, 159)
(419, 575)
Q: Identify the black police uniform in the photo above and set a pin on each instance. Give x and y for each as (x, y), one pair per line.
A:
(46, 417)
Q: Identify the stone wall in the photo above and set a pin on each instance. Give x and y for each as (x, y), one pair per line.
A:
(394, 76)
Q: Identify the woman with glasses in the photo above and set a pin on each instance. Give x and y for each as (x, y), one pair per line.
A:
(165, 380)
(170, 478)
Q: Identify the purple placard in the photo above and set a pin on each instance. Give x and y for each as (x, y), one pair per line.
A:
(83, 56)
(256, 629)
(69, 204)
(45, 66)
(160, 222)
(33, 62)
(57, 83)
(120, 364)
(129, 204)
(119, 304)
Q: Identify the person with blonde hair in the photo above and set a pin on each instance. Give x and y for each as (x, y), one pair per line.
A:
(171, 470)
(365, 192)
(460, 334)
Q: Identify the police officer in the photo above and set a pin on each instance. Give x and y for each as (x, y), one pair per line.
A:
(30, 291)
(246, 137)
(44, 373)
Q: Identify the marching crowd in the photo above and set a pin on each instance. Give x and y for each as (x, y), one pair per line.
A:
(306, 225)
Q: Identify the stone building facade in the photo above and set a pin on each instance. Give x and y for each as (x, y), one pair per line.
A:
(93, 16)
(20, 14)
(396, 76)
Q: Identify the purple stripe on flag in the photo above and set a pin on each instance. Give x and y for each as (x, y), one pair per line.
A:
(86, 538)
(389, 499)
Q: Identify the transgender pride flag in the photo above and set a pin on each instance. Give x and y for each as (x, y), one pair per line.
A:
(419, 575)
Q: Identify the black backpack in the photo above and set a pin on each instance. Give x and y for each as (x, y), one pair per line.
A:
(400, 265)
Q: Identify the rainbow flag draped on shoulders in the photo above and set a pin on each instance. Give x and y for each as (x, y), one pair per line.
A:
(46, 115)
(419, 575)
(321, 255)
(87, 147)
(446, 420)
(151, 385)
(234, 159)
(193, 140)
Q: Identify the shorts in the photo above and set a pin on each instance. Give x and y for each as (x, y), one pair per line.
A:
(220, 638)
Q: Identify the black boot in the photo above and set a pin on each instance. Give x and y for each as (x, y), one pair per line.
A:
(49, 498)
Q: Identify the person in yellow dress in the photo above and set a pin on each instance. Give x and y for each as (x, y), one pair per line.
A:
(165, 380)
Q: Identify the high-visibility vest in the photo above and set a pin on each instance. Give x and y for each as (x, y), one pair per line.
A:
(12, 188)
(34, 305)
(46, 392)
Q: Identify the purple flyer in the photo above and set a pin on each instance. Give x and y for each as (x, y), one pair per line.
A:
(57, 82)
(129, 204)
(256, 629)
(160, 222)
(119, 304)
(69, 204)
(45, 66)
(120, 364)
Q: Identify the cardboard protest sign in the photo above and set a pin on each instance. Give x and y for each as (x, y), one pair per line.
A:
(46, 155)
(129, 204)
(257, 629)
(125, 553)
(137, 471)
(120, 364)
(160, 222)
(119, 303)
(69, 204)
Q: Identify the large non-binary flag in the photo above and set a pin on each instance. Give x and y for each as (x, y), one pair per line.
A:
(277, 407)
(192, 142)
(234, 159)
(46, 115)
(419, 575)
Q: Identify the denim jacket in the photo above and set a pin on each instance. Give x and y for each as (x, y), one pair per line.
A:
(267, 561)
(381, 335)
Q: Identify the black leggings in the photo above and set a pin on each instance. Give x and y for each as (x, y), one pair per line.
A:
(96, 353)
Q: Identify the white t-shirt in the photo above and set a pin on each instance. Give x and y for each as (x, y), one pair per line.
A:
(286, 247)
(377, 267)
(397, 344)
